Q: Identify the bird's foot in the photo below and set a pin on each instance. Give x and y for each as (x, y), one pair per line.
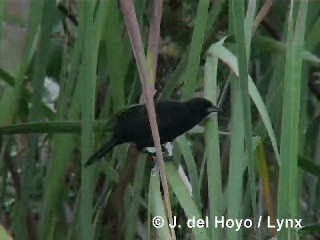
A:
(166, 151)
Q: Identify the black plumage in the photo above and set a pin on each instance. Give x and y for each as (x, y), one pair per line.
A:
(174, 118)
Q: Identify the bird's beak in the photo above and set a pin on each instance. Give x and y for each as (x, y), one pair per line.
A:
(214, 108)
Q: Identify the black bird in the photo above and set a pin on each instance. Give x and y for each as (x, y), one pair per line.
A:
(174, 118)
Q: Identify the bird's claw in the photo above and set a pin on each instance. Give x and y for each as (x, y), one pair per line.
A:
(166, 152)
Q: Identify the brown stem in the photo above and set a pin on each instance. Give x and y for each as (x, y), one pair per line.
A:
(153, 39)
(148, 92)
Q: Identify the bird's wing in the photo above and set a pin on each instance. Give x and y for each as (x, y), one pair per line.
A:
(115, 116)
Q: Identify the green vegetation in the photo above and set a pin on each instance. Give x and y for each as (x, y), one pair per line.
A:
(257, 161)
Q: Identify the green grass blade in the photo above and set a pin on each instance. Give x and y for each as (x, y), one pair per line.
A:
(87, 100)
(117, 57)
(187, 203)
(192, 68)
(35, 114)
(235, 182)
(157, 207)
(192, 168)
(212, 146)
(288, 187)
(242, 55)
(227, 57)
(50, 127)
(133, 211)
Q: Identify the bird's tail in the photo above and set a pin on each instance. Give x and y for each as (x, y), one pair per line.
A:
(100, 153)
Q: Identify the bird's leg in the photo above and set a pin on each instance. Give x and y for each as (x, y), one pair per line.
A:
(151, 151)
(166, 151)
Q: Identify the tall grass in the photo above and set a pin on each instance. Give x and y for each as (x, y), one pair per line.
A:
(257, 160)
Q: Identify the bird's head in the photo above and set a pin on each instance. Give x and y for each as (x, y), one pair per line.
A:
(202, 106)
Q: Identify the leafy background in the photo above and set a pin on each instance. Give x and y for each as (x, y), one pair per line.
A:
(67, 66)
